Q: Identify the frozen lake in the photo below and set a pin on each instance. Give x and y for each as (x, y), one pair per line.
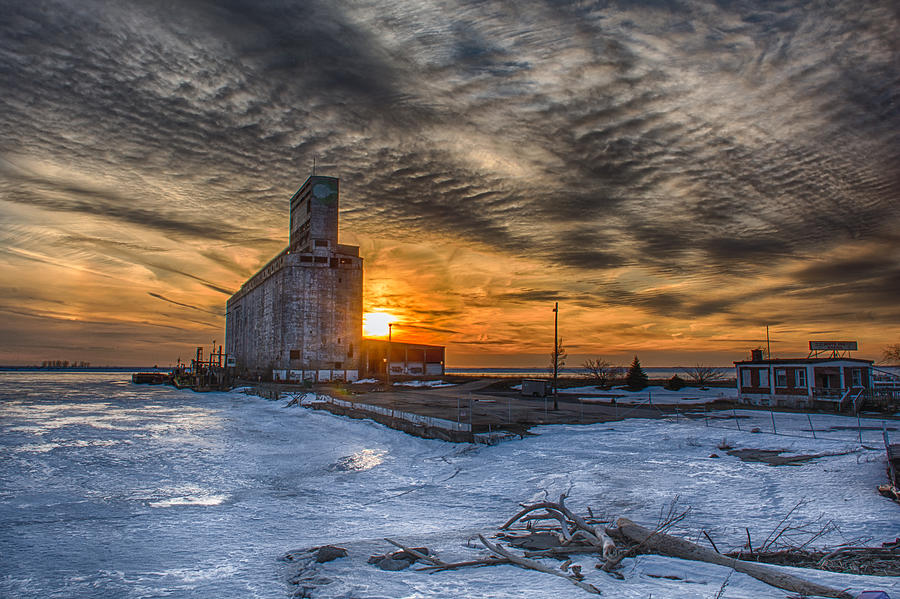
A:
(108, 489)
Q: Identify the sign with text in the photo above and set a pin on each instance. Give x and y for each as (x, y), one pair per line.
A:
(833, 346)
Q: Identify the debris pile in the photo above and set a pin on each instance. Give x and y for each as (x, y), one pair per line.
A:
(551, 530)
(545, 531)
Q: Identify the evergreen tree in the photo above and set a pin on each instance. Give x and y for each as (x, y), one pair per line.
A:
(636, 379)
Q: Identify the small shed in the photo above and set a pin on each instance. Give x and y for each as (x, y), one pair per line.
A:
(535, 387)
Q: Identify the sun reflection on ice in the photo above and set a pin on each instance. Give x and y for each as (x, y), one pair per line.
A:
(359, 461)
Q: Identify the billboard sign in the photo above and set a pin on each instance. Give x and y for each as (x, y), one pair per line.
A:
(833, 346)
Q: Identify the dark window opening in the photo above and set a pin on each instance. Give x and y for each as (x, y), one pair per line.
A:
(295, 354)
(350, 351)
(321, 243)
(322, 259)
(338, 365)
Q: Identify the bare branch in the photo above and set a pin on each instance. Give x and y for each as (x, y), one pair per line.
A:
(702, 374)
(428, 558)
(602, 372)
(535, 565)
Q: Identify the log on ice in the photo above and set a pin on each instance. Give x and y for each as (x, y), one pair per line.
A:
(661, 543)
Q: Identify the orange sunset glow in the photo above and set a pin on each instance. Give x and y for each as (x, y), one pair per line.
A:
(376, 324)
(675, 191)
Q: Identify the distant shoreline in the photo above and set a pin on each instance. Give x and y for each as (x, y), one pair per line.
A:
(87, 369)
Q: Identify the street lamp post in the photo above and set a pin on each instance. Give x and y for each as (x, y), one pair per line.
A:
(556, 356)
(390, 331)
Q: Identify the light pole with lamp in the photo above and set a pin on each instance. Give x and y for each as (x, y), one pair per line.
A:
(556, 356)
(390, 331)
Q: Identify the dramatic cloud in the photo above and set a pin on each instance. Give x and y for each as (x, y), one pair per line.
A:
(677, 174)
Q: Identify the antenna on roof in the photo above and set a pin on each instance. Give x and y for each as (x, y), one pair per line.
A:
(314, 165)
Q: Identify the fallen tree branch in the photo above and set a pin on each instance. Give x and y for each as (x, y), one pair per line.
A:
(603, 540)
(422, 556)
(711, 542)
(491, 561)
(558, 511)
(535, 565)
(665, 544)
(672, 517)
(543, 505)
(562, 551)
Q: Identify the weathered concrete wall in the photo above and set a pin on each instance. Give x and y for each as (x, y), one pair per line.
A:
(305, 313)
(314, 213)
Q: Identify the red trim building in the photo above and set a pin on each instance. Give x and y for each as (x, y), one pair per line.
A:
(407, 359)
(835, 382)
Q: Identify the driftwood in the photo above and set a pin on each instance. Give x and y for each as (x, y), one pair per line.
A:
(594, 535)
(535, 565)
(422, 556)
(491, 561)
(551, 530)
(875, 561)
(664, 544)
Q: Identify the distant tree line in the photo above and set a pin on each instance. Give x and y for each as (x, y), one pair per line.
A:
(64, 364)
(605, 373)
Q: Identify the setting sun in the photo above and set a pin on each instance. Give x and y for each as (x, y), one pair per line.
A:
(375, 324)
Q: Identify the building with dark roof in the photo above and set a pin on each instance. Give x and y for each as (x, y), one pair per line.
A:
(837, 382)
(300, 316)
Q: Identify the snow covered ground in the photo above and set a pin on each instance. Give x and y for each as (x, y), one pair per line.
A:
(113, 490)
(426, 384)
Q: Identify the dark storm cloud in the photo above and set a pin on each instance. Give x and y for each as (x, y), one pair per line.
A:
(869, 283)
(22, 187)
(183, 305)
(417, 327)
(690, 139)
(178, 271)
(489, 342)
(530, 295)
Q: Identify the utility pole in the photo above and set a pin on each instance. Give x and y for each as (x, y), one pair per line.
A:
(390, 331)
(768, 346)
(556, 356)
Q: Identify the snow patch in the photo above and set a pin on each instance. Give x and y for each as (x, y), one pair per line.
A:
(190, 495)
(430, 384)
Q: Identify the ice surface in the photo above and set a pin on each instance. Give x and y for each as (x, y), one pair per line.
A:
(109, 489)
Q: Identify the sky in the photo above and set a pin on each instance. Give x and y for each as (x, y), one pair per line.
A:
(676, 174)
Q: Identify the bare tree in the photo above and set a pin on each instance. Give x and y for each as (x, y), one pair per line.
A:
(601, 371)
(891, 354)
(558, 357)
(702, 374)
(557, 362)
